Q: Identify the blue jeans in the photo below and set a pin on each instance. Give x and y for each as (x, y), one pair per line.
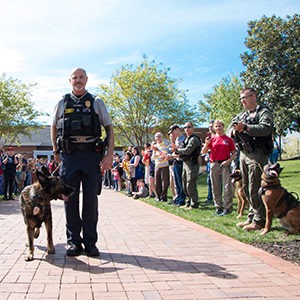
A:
(209, 188)
(177, 168)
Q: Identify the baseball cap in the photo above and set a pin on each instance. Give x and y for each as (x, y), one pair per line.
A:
(173, 127)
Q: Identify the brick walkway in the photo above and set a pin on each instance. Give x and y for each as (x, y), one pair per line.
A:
(146, 253)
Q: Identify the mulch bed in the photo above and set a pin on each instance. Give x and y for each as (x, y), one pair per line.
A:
(286, 250)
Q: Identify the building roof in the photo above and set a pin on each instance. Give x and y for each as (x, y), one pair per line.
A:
(38, 137)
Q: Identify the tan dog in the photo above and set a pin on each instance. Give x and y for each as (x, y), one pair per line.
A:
(278, 201)
(240, 193)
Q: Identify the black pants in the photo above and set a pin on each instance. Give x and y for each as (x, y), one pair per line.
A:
(9, 178)
(81, 169)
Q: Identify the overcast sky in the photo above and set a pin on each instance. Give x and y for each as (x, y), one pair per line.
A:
(201, 41)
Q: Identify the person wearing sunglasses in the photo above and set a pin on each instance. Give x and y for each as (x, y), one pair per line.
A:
(252, 130)
(189, 152)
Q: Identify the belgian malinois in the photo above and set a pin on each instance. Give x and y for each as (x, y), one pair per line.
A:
(278, 201)
(242, 199)
(36, 209)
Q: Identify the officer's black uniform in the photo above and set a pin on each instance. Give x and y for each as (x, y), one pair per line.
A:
(78, 139)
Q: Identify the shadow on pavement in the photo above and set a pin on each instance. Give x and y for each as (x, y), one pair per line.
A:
(141, 261)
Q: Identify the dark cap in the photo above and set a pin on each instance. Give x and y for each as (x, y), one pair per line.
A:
(173, 127)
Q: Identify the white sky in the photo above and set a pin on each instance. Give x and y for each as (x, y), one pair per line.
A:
(201, 41)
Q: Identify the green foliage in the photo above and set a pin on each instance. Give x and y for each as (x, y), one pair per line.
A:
(272, 67)
(223, 103)
(206, 217)
(17, 115)
(290, 146)
(144, 99)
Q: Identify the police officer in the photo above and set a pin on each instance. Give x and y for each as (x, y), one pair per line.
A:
(75, 134)
(189, 152)
(253, 133)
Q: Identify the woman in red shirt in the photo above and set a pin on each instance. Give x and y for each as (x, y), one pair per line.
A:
(222, 152)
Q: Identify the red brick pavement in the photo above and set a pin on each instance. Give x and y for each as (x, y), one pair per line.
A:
(146, 253)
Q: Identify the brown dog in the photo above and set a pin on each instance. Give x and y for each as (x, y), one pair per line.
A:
(278, 201)
(240, 193)
(36, 209)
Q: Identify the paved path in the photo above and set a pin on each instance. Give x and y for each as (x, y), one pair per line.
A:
(146, 253)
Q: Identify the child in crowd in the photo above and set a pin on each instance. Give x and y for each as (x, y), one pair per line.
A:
(127, 173)
(143, 190)
(116, 176)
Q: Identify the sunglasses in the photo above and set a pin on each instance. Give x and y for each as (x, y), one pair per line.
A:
(185, 127)
(246, 97)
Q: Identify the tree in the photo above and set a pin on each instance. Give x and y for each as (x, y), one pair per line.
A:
(223, 103)
(144, 99)
(272, 67)
(17, 115)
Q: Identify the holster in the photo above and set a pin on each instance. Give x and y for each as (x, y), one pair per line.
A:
(64, 145)
(101, 147)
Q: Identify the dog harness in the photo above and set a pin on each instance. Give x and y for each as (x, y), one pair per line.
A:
(290, 200)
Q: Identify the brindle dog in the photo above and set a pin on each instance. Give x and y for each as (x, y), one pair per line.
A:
(240, 193)
(278, 201)
(36, 209)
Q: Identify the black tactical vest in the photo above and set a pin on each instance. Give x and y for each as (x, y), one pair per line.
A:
(80, 119)
(196, 152)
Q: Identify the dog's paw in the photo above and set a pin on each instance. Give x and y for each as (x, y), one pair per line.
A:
(263, 231)
(29, 257)
(51, 250)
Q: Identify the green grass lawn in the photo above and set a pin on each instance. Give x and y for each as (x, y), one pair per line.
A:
(227, 224)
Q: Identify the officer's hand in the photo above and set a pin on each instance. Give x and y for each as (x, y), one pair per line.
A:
(239, 126)
(106, 162)
(57, 157)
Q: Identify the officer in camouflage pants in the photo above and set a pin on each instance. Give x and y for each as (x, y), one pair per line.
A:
(253, 133)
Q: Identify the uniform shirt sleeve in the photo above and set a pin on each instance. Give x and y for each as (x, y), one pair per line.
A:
(58, 113)
(102, 112)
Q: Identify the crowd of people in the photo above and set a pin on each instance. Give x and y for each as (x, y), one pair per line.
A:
(172, 163)
(18, 171)
(246, 145)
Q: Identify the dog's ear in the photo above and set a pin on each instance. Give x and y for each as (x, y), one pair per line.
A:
(45, 171)
(41, 177)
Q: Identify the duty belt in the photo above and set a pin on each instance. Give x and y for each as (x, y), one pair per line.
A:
(82, 140)
(83, 146)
